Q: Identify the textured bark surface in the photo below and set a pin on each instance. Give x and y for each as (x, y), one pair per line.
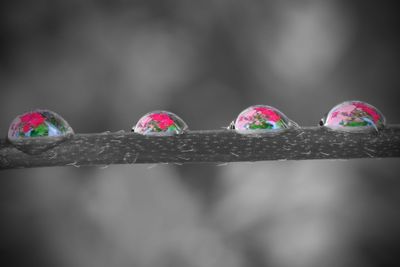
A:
(199, 146)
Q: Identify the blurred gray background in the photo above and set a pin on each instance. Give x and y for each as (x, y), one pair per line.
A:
(103, 64)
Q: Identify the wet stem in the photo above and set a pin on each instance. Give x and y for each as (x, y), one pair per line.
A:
(202, 147)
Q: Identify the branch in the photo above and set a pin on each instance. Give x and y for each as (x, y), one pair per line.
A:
(203, 146)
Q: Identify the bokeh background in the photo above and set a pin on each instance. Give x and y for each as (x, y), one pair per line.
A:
(103, 64)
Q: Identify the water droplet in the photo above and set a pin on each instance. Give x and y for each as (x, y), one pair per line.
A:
(354, 116)
(261, 119)
(160, 123)
(29, 132)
